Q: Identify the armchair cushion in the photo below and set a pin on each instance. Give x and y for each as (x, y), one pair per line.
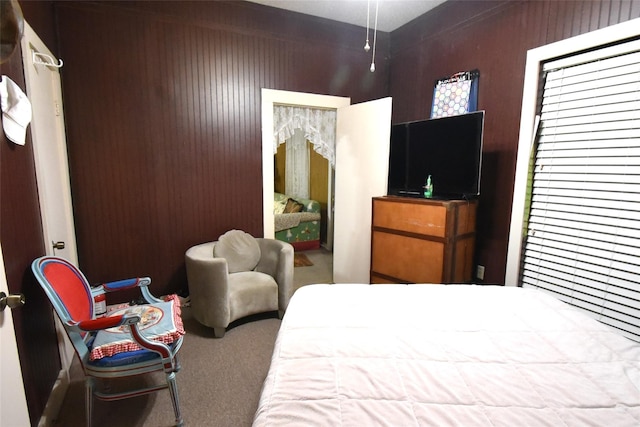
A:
(160, 322)
(240, 249)
(251, 292)
(129, 357)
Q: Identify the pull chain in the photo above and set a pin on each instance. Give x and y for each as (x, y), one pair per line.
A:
(366, 44)
(375, 33)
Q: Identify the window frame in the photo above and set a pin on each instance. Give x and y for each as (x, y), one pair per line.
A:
(584, 45)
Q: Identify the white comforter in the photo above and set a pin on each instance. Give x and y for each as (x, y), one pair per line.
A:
(422, 355)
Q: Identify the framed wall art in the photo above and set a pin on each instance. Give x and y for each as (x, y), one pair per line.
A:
(456, 94)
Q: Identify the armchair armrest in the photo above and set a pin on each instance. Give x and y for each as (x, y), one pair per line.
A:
(208, 281)
(277, 261)
(107, 322)
(156, 346)
(313, 206)
(136, 282)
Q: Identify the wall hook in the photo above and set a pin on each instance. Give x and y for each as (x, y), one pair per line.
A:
(44, 59)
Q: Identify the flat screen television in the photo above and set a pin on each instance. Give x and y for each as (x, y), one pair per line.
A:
(448, 148)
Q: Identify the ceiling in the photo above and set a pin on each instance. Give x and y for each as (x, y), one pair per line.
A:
(392, 14)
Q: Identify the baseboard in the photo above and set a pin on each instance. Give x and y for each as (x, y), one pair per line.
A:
(56, 398)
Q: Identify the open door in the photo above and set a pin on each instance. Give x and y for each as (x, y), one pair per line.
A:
(362, 166)
(44, 89)
(13, 405)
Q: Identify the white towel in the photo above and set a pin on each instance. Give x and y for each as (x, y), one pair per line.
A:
(16, 110)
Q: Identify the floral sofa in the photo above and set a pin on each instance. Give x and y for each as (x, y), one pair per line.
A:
(297, 221)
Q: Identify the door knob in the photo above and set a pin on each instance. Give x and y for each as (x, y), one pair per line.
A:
(58, 245)
(11, 301)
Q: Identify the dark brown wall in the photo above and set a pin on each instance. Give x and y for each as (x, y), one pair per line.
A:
(162, 103)
(494, 38)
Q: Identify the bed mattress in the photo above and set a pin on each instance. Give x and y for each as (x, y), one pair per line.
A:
(422, 355)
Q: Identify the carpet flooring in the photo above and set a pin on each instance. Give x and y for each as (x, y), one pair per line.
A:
(220, 380)
(219, 383)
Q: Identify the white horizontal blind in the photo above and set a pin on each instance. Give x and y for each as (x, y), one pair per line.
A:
(583, 232)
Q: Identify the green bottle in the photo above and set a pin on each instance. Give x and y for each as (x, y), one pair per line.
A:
(428, 188)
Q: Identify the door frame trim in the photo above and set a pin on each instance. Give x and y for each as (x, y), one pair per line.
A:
(271, 97)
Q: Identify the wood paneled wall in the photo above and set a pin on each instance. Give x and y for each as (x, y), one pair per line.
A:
(163, 107)
(492, 36)
(162, 101)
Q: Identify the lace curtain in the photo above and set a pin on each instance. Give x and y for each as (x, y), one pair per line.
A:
(296, 177)
(318, 126)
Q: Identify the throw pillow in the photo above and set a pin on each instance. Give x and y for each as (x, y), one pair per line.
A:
(278, 206)
(240, 249)
(293, 206)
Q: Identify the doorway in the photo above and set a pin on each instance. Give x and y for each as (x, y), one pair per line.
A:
(270, 98)
(362, 161)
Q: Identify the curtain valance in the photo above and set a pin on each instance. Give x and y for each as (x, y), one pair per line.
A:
(318, 126)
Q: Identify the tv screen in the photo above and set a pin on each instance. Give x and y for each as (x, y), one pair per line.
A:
(448, 148)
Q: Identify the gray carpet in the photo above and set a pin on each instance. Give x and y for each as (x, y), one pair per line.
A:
(220, 380)
(219, 383)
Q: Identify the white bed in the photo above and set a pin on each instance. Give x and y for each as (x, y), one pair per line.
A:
(418, 355)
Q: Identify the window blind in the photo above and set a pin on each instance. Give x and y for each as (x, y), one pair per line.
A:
(583, 230)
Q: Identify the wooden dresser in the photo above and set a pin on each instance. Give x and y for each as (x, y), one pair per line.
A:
(422, 240)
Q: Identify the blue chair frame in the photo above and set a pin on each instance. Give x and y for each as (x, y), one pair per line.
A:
(71, 297)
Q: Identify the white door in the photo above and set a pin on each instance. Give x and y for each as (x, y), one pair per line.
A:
(44, 90)
(13, 401)
(362, 167)
(49, 148)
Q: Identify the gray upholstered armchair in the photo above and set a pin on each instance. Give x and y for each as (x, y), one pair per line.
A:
(238, 276)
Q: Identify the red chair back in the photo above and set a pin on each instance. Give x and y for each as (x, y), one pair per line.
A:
(67, 288)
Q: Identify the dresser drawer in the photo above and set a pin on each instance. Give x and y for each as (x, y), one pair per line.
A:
(417, 218)
(411, 260)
